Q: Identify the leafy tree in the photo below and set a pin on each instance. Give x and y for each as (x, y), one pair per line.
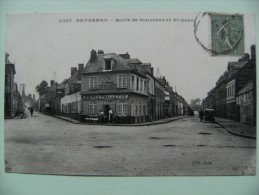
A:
(41, 88)
(195, 103)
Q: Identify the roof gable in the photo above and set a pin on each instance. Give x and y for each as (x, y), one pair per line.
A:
(98, 65)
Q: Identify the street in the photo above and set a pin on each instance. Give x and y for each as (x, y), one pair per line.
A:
(48, 145)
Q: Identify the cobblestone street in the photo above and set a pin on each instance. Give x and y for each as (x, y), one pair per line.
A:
(48, 145)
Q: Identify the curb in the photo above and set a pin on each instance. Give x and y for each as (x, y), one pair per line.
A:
(128, 125)
(69, 120)
(237, 134)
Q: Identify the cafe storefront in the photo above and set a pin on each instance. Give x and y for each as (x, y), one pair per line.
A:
(125, 107)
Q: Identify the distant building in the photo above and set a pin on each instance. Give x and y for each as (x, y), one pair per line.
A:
(13, 100)
(244, 101)
(70, 102)
(234, 96)
(234, 82)
(46, 99)
(122, 88)
(160, 98)
(150, 90)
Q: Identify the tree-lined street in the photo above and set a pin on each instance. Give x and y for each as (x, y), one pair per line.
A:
(47, 145)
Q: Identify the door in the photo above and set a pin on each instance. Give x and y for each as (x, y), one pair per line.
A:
(106, 111)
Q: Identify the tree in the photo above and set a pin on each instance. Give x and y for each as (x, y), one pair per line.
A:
(195, 103)
(41, 88)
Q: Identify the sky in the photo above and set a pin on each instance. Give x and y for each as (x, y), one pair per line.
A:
(46, 46)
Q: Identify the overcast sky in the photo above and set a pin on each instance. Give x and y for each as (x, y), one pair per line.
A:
(41, 45)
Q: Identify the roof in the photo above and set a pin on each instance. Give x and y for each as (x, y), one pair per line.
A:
(73, 78)
(236, 65)
(62, 84)
(125, 56)
(246, 88)
(52, 87)
(133, 61)
(119, 63)
(98, 64)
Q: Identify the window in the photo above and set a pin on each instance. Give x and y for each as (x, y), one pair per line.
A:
(132, 82)
(145, 86)
(7, 79)
(108, 64)
(93, 82)
(132, 111)
(141, 85)
(151, 88)
(122, 109)
(136, 110)
(140, 113)
(137, 83)
(93, 109)
(144, 110)
(121, 81)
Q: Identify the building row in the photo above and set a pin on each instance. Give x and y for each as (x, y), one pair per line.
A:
(234, 96)
(13, 103)
(113, 83)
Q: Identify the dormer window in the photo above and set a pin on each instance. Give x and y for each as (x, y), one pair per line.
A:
(108, 64)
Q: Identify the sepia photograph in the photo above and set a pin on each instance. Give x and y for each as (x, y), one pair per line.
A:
(130, 94)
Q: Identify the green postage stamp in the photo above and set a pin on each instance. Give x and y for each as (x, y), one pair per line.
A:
(227, 34)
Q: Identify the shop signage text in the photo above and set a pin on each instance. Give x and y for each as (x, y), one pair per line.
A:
(105, 97)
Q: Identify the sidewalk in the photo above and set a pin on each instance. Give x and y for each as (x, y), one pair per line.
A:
(167, 120)
(237, 128)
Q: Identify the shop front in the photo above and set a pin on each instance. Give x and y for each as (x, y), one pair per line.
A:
(116, 108)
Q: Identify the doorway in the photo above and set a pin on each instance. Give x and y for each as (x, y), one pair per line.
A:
(106, 110)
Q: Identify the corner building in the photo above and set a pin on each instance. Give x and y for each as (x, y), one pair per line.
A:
(116, 82)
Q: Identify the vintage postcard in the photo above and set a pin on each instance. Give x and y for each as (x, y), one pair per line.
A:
(130, 94)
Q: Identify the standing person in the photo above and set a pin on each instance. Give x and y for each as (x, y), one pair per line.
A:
(31, 110)
(22, 112)
(110, 115)
(101, 115)
(201, 115)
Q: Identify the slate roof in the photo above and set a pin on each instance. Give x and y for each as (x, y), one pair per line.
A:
(98, 65)
(236, 65)
(133, 61)
(62, 84)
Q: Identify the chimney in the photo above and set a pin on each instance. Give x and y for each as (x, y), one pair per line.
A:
(93, 55)
(164, 78)
(6, 58)
(80, 69)
(100, 51)
(152, 71)
(125, 56)
(73, 71)
(51, 82)
(253, 52)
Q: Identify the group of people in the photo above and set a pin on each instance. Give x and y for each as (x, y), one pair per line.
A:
(191, 113)
(23, 114)
(106, 117)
